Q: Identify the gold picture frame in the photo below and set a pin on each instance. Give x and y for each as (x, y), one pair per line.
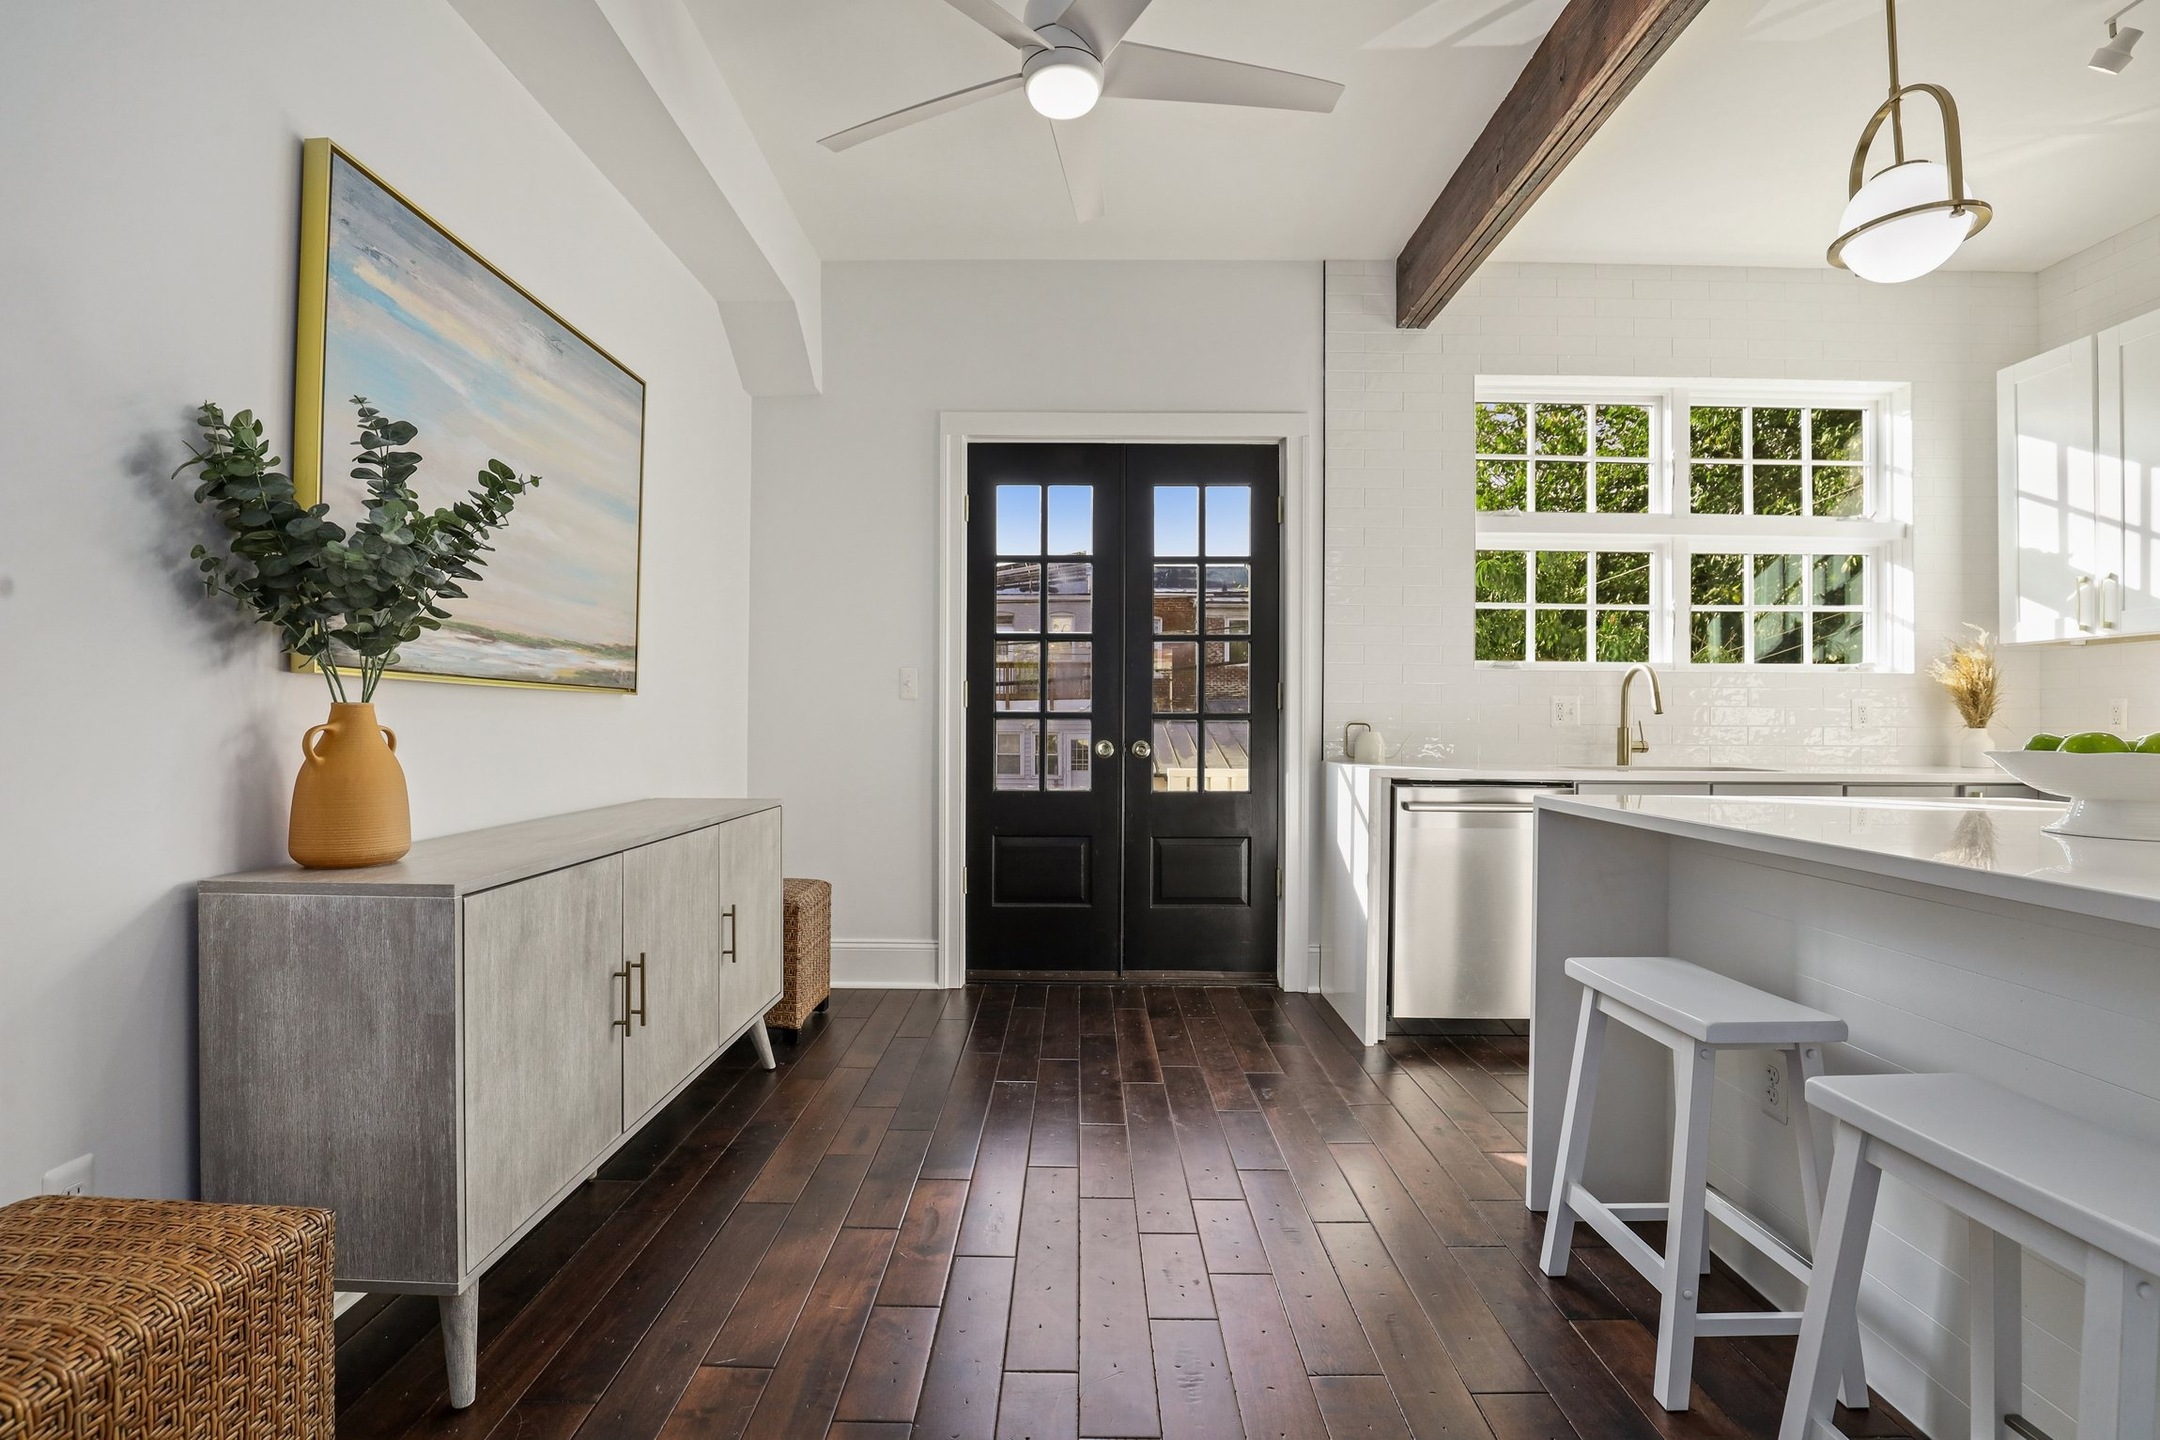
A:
(376, 274)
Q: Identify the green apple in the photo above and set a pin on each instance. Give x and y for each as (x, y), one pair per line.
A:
(2095, 742)
(2044, 741)
(2150, 745)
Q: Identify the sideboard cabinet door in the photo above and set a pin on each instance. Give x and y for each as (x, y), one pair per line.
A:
(671, 941)
(750, 969)
(543, 1053)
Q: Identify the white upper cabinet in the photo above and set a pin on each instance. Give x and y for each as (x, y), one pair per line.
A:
(2059, 537)
(2128, 403)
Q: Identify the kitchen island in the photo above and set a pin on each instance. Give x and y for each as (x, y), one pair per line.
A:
(1949, 934)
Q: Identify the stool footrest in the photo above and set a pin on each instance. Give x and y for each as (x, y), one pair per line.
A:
(1640, 1210)
(1606, 1221)
(1748, 1322)
(1752, 1233)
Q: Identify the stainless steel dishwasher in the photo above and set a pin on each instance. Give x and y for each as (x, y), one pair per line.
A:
(1460, 906)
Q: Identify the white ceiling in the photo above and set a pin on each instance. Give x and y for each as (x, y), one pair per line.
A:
(1197, 181)
(1734, 149)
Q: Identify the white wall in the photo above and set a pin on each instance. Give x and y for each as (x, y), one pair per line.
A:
(1399, 478)
(2066, 688)
(845, 540)
(146, 740)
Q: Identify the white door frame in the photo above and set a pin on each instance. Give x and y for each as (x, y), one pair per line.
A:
(1301, 560)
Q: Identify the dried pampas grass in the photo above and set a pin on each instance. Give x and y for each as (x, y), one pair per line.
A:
(1967, 670)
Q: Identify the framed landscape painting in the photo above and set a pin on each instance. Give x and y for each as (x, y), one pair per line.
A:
(395, 308)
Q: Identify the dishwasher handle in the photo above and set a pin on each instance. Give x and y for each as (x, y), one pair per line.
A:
(1412, 807)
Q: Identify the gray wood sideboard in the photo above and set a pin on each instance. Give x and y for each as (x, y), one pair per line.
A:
(442, 1049)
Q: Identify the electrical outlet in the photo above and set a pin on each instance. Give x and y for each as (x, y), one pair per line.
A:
(910, 683)
(1863, 712)
(1772, 1092)
(77, 1177)
(1567, 709)
(2118, 714)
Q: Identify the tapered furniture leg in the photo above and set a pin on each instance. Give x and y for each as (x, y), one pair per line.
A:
(763, 1042)
(1996, 1287)
(1681, 1287)
(1833, 1297)
(1574, 1135)
(461, 1342)
(2122, 1334)
(1802, 1064)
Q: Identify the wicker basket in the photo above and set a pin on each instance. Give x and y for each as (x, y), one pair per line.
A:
(808, 905)
(146, 1319)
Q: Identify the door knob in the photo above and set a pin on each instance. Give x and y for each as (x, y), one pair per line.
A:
(1142, 749)
(1105, 748)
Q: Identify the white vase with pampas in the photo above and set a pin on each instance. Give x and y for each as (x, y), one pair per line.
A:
(1967, 670)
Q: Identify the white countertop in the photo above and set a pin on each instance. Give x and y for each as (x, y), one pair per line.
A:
(1669, 775)
(1984, 847)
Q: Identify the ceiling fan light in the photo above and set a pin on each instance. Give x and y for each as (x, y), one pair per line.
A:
(1064, 83)
(1902, 224)
(2110, 58)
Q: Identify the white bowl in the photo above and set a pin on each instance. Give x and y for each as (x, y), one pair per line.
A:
(2112, 797)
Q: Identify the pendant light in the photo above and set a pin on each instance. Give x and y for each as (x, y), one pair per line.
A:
(1912, 215)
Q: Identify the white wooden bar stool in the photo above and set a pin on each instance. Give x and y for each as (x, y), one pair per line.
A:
(1694, 1013)
(2023, 1174)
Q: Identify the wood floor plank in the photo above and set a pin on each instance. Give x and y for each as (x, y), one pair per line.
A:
(1105, 1163)
(1594, 1403)
(1578, 1295)
(986, 1036)
(1137, 1062)
(1327, 1194)
(1029, 996)
(1176, 1275)
(881, 1203)
(1095, 1010)
(1117, 1369)
(1630, 1353)
(991, 1223)
(1102, 1097)
(1439, 1194)
(1199, 1401)
(1432, 1395)
(1210, 1172)
(1326, 1327)
(1252, 1144)
(959, 1126)
(1023, 1044)
(1158, 1168)
(915, 1276)
(1310, 1086)
(773, 1297)
(880, 1024)
(1274, 1397)
(924, 1099)
(1166, 1024)
(1044, 1332)
(1479, 1347)
(870, 1430)
(1360, 1405)
(804, 1387)
(1056, 1138)
(1061, 1023)
(885, 1382)
(1039, 1407)
(1322, 1042)
(1228, 1241)
(716, 1406)
(1213, 1053)
(922, 1015)
(1526, 1417)
(960, 1387)
(888, 1083)
(1246, 1042)
(862, 1132)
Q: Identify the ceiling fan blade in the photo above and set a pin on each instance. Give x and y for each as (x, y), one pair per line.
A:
(1081, 159)
(1000, 22)
(929, 109)
(1142, 72)
(1102, 23)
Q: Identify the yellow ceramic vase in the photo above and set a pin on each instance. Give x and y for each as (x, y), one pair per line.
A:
(348, 804)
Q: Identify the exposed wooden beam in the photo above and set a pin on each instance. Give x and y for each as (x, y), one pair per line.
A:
(1590, 59)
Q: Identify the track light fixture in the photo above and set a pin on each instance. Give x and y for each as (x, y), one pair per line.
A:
(2110, 58)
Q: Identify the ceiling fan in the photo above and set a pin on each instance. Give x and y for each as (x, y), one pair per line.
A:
(1073, 53)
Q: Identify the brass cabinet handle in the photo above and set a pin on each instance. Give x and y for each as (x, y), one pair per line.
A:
(624, 976)
(727, 946)
(640, 993)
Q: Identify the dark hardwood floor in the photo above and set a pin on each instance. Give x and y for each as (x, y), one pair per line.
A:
(1027, 1210)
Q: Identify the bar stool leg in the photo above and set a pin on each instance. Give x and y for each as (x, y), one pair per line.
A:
(1693, 1071)
(1574, 1135)
(1833, 1300)
(2122, 1330)
(1802, 1064)
(1998, 1316)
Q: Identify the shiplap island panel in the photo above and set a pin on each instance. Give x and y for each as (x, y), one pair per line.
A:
(441, 1049)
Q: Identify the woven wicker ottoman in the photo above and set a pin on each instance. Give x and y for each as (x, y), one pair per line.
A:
(808, 906)
(147, 1319)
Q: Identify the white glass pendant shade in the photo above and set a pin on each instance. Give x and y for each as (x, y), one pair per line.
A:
(1911, 245)
(1063, 83)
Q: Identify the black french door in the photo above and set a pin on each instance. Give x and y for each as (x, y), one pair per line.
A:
(1124, 682)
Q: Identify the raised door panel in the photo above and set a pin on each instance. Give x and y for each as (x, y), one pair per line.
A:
(543, 1054)
(752, 919)
(2129, 409)
(671, 942)
(2061, 517)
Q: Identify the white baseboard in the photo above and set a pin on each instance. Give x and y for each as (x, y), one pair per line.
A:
(885, 964)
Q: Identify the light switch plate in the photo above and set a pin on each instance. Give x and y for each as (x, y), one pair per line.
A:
(910, 683)
(1567, 709)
